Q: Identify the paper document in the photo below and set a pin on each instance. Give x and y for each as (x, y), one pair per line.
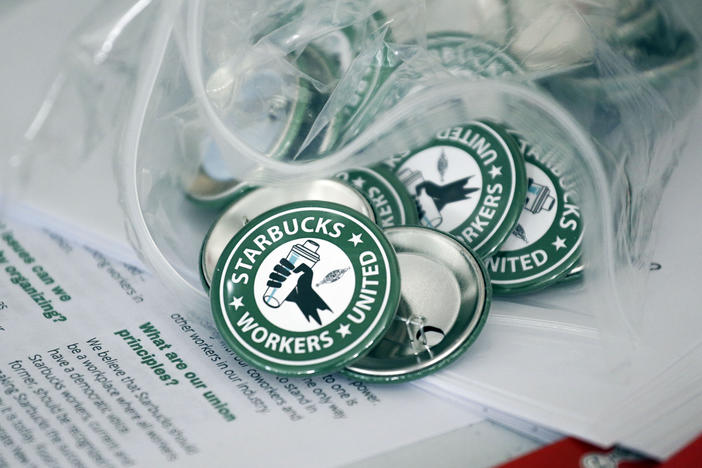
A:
(558, 377)
(101, 367)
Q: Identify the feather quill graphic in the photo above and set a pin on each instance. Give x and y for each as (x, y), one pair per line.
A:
(442, 165)
(333, 276)
(519, 233)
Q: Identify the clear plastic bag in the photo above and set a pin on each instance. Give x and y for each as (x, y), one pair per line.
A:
(601, 88)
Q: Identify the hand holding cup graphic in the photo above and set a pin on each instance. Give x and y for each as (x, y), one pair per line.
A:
(431, 197)
(429, 213)
(291, 280)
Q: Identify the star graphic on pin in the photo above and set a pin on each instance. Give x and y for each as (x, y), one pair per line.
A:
(343, 330)
(358, 182)
(495, 171)
(559, 244)
(237, 302)
(356, 239)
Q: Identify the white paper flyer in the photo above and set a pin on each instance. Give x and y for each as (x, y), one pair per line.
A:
(101, 367)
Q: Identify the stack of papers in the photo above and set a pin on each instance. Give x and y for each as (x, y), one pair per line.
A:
(559, 377)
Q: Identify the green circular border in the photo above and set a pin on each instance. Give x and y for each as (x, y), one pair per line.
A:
(405, 203)
(470, 339)
(456, 39)
(560, 272)
(408, 205)
(285, 144)
(331, 365)
(244, 191)
(221, 190)
(515, 210)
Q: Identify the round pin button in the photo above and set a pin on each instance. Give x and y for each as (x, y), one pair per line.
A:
(267, 107)
(468, 56)
(545, 244)
(213, 184)
(247, 205)
(305, 288)
(368, 73)
(469, 181)
(486, 18)
(391, 203)
(444, 304)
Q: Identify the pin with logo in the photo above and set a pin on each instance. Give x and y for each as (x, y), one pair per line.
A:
(389, 198)
(305, 288)
(466, 181)
(369, 72)
(468, 56)
(267, 109)
(544, 246)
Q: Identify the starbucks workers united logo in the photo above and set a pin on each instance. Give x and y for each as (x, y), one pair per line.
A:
(545, 243)
(466, 181)
(306, 287)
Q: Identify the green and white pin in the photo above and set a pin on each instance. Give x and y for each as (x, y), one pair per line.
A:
(468, 56)
(468, 181)
(365, 76)
(392, 204)
(545, 244)
(305, 288)
(249, 204)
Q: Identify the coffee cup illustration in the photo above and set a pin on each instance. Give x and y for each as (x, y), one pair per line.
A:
(538, 198)
(431, 215)
(299, 254)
